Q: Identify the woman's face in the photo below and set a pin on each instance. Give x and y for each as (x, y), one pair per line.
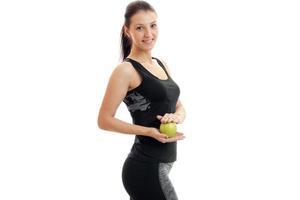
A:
(143, 30)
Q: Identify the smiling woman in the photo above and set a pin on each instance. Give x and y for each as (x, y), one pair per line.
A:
(141, 30)
(144, 84)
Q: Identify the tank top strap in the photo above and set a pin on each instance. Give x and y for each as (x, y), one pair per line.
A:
(138, 67)
(162, 65)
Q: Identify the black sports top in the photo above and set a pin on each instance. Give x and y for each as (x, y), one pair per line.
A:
(154, 96)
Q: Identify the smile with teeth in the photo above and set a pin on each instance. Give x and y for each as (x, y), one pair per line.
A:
(148, 41)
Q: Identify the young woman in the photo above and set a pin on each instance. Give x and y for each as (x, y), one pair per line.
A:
(144, 84)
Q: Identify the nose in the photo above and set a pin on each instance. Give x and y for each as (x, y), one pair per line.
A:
(148, 32)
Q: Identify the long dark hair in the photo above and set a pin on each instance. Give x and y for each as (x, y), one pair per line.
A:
(131, 9)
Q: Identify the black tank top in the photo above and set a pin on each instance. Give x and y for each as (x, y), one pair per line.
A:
(152, 97)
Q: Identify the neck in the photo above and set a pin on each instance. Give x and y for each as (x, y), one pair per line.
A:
(141, 56)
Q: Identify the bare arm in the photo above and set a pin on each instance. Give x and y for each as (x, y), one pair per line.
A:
(180, 111)
(115, 92)
(179, 114)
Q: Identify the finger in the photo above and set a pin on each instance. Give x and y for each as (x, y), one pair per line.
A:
(169, 120)
(166, 117)
(164, 120)
(159, 117)
(177, 121)
(173, 139)
(174, 120)
(177, 137)
(162, 136)
(163, 140)
(179, 133)
(181, 137)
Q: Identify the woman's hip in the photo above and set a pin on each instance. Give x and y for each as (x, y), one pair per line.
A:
(145, 181)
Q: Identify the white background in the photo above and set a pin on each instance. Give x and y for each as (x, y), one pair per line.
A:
(236, 62)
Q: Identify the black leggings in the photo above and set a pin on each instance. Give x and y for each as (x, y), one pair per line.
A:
(147, 181)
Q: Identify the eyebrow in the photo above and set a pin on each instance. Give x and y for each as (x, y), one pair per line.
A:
(144, 24)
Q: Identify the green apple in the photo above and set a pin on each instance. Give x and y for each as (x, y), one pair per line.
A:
(169, 129)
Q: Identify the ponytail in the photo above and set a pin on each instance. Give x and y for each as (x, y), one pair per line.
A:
(131, 9)
(125, 45)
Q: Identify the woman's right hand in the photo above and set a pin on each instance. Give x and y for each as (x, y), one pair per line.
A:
(154, 133)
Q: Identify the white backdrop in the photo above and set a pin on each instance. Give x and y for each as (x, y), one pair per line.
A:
(236, 62)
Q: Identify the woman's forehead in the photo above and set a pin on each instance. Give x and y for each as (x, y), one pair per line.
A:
(143, 18)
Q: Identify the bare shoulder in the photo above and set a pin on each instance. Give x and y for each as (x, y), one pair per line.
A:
(123, 70)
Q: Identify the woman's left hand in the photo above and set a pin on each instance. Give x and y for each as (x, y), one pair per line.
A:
(169, 117)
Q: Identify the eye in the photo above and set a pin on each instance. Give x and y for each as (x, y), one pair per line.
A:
(139, 28)
(153, 25)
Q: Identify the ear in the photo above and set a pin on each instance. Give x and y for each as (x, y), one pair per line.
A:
(126, 31)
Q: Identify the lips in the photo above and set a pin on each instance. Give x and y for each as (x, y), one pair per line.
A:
(148, 41)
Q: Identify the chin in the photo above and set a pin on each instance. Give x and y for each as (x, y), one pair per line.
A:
(147, 47)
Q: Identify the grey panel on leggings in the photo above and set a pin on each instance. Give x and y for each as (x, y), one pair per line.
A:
(166, 185)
